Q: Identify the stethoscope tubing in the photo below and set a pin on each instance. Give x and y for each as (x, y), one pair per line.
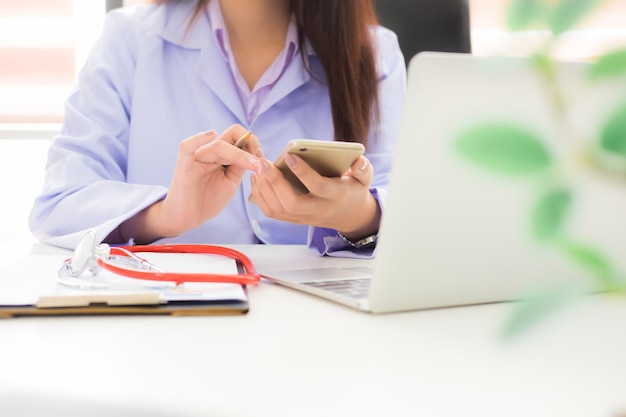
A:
(249, 277)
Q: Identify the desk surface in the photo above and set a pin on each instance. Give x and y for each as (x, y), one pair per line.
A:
(297, 355)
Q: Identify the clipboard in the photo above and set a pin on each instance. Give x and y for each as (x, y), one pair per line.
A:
(122, 304)
(30, 289)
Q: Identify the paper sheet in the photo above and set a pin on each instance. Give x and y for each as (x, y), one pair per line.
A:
(22, 283)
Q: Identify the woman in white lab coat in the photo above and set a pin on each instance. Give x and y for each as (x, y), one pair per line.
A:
(146, 150)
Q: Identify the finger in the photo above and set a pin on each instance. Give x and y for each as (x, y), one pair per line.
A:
(251, 144)
(255, 196)
(191, 144)
(362, 171)
(233, 134)
(312, 180)
(240, 137)
(267, 186)
(247, 141)
(271, 205)
(242, 142)
(275, 195)
(223, 153)
(318, 185)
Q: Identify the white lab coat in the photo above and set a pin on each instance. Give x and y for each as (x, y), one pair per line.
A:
(150, 83)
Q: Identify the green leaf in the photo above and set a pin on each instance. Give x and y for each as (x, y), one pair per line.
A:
(544, 63)
(537, 308)
(612, 64)
(504, 148)
(595, 261)
(524, 13)
(613, 136)
(568, 13)
(550, 212)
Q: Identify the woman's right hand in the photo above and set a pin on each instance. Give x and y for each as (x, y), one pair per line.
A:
(209, 170)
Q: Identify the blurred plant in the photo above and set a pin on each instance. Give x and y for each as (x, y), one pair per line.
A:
(512, 150)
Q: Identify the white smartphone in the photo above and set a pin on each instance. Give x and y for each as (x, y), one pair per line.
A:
(328, 158)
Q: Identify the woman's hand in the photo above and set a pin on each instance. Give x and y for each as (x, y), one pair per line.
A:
(209, 170)
(344, 204)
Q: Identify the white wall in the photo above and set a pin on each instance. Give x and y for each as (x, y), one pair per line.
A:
(22, 163)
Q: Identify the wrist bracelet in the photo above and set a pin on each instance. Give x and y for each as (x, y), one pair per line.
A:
(361, 243)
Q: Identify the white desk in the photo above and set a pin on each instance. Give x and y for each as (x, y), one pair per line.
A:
(297, 355)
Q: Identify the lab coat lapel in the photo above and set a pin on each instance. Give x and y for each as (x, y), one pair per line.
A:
(214, 71)
(294, 77)
(211, 66)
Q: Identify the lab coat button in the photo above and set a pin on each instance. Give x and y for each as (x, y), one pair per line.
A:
(256, 227)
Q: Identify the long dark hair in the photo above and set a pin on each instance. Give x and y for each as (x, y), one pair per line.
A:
(340, 33)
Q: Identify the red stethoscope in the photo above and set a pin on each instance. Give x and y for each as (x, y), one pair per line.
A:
(123, 261)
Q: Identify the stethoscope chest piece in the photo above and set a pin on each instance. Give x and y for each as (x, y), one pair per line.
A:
(86, 255)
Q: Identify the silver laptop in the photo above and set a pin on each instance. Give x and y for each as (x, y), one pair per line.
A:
(492, 194)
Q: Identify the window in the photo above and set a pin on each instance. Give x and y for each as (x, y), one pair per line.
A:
(43, 44)
(603, 30)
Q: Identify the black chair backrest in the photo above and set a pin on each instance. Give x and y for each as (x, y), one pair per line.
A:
(113, 4)
(427, 25)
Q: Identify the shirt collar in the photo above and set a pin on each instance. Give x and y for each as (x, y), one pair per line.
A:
(175, 18)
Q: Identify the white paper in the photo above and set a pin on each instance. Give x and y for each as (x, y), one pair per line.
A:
(32, 277)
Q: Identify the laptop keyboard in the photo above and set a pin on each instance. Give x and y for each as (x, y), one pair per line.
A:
(352, 287)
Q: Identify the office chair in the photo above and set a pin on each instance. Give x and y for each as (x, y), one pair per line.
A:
(113, 4)
(427, 25)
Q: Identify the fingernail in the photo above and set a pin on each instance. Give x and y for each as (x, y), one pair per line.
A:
(211, 132)
(291, 161)
(266, 166)
(259, 153)
(256, 164)
(364, 166)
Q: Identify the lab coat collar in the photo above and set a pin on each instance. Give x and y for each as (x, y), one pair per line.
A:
(212, 68)
(176, 30)
(382, 68)
(176, 27)
(176, 18)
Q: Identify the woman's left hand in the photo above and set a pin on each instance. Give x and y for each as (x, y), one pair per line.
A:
(344, 204)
